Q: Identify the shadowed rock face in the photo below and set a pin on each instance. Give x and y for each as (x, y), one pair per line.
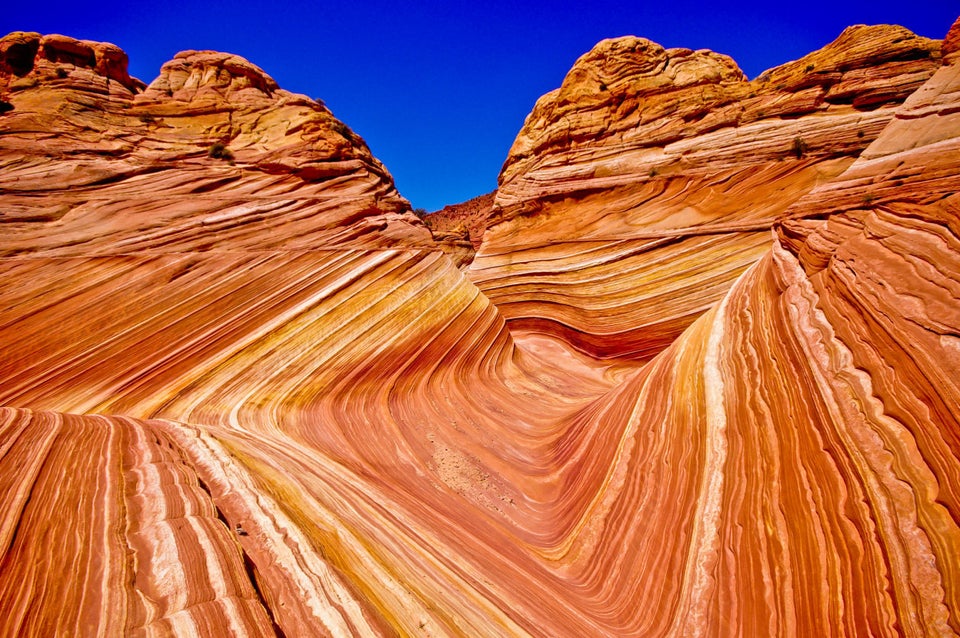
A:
(305, 420)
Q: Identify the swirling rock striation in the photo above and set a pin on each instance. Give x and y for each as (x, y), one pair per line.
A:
(669, 168)
(110, 505)
(354, 439)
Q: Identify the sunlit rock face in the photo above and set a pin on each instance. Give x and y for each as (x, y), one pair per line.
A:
(325, 427)
(459, 227)
(668, 168)
(211, 155)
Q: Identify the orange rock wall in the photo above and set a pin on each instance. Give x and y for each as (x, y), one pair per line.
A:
(669, 168)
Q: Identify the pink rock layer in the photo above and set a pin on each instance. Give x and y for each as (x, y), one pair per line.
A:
(354, 440)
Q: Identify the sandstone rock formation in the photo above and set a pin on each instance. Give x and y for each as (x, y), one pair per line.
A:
(670, 168)
(240, 163)
(305, 420)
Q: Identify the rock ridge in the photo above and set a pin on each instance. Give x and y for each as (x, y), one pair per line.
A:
(657, 157)
(194, 75)
(239, 158)
(28, 57)
(634, 93)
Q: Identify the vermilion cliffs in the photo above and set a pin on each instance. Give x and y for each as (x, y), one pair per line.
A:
(702, 376)
(469, 217)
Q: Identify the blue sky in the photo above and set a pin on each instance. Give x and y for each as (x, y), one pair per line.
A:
(439, 90)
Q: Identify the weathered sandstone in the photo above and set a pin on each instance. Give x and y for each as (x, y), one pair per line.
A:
(241, 163)
(325, 427)
(669, 168)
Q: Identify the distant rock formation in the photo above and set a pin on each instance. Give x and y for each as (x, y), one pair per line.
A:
(459, 227)
(468, 217)
(708, 384)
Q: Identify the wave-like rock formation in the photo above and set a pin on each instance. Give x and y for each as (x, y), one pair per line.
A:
(669, 168)
(306, 420)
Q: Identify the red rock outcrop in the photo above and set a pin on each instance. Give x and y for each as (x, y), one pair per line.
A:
(469, 218)
(351, 439)
(241, 163)
(670, 168)
(458, 228)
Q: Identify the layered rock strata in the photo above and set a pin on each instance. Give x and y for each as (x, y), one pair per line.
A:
(353, 440)
(669, 168)
(241, 164)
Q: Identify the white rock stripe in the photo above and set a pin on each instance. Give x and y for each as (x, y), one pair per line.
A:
(698, 584)
(327, 598)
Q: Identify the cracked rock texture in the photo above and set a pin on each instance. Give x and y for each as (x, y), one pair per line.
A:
(700, 379)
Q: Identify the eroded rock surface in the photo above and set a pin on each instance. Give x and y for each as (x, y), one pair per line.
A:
(240, 163)
(331, 430)
(669, 168)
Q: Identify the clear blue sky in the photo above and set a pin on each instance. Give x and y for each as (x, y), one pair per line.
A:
(440, 89)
